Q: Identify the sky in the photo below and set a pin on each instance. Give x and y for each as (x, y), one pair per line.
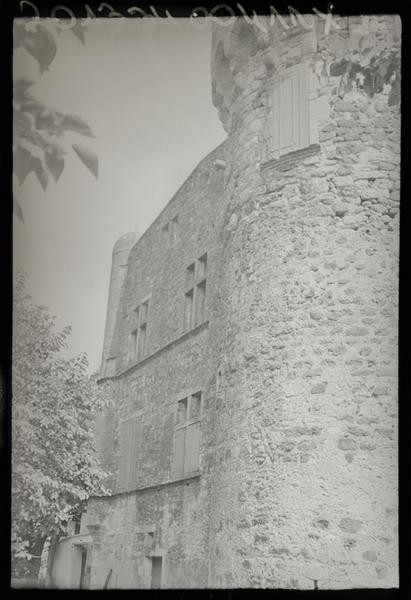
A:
(147, 97)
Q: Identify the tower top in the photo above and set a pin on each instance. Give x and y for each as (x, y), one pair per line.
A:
(126, 241)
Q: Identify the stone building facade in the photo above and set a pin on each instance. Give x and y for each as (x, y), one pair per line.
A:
(251, 335)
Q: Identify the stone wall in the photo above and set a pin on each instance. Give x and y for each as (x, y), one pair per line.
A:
(304, 478)
(161, 514)
(167, 521)
(298, 358)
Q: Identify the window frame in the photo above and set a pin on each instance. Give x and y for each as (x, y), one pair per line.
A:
(193, 282)
(174, 229)
(139, 321)
(188, 420)
(184, 427)
(170, 231)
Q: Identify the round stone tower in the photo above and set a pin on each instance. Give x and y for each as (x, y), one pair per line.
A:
(304, 472)
(118, 276)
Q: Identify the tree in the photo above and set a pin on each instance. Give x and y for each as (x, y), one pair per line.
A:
(54, 461)
(42, 133)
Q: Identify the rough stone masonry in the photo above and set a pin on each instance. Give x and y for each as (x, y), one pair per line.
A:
(298, 212)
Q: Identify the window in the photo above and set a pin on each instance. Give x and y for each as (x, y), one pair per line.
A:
(195, 406)
(165, 234)
(182, 411)
(195, 291)
(188, 312)
(187, 436)
(138, 337)
(290, 111)
(129, 450)
(174, 230)
(142, 333)
(190, 275)
(169, 232)
(202, 267)
(149, 539)
(200, 302)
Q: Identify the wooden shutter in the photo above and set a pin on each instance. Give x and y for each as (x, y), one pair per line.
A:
(289, 109)
(129, 442)
(192, 448)
(275, 111)
(303, 113)
(287, 116)
(178, 454)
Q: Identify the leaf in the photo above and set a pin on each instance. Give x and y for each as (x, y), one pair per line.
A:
(22, 84)
(33, 106)
(366, 59)
(55, 164)
(22, 164)
(42, 46)
(22, 122)
(78, 30)
(17, 209)
(77, 124)
(50, 143)
(41, 173)
(32, 147)
(51, 120)
(88, 157)
(354, 69)
(28, 158)
(339, 68)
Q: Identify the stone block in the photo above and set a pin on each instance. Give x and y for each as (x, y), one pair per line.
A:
(345, 443)
(370, 555)
(349, 525)
(318, 389)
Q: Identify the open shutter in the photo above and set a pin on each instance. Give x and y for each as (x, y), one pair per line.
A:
(290, 112)
(303, 108)
(287, 115)
(178, 454)
(125, 431)
(275, 111)
(192, 448)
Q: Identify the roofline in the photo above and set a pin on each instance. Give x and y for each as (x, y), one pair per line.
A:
(203, 160)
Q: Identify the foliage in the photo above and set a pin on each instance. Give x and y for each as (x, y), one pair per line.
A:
(361, 59)
(41, 133)
(382, 69)
(54, 462)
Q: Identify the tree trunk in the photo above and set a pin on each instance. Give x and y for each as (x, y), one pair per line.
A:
(49, 582)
